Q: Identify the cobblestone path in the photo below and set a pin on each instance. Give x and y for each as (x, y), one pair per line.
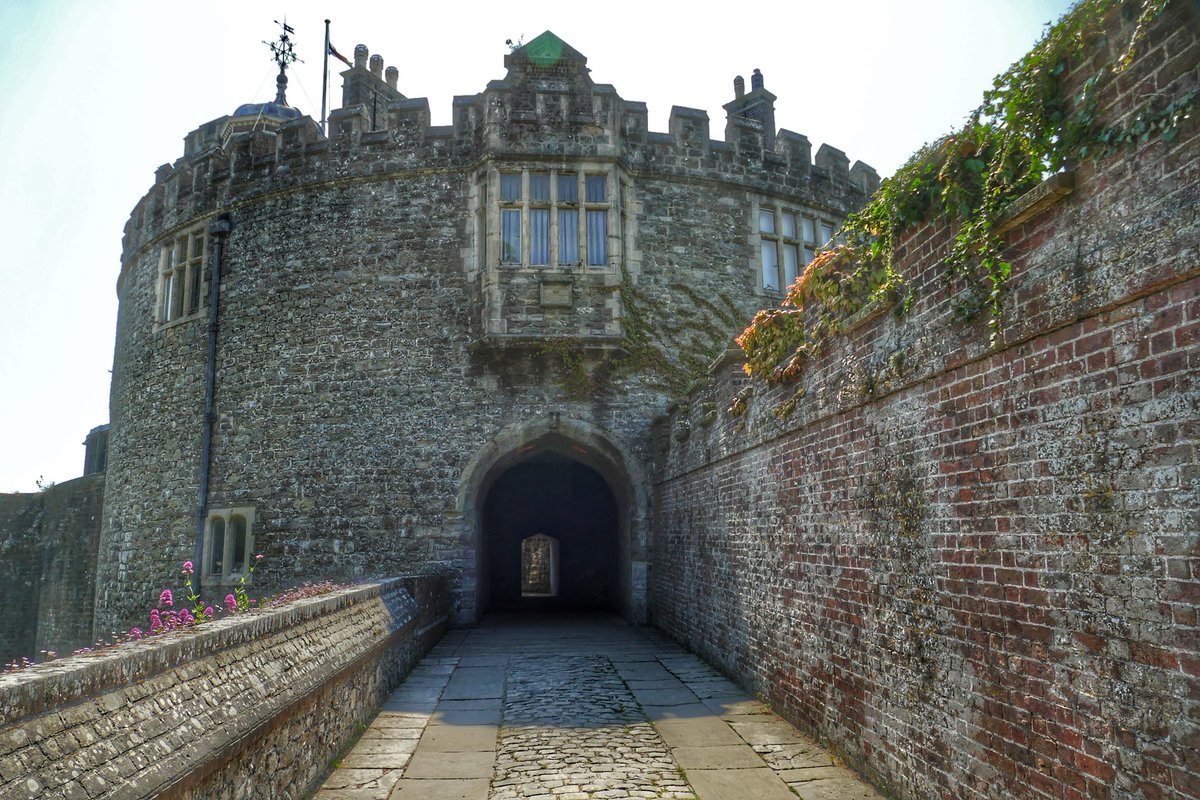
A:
(571, 708)
(571, 727)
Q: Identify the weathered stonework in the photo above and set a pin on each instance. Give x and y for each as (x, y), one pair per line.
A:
(373, 346)
(48, 544)
(975, 570)
(244, 707)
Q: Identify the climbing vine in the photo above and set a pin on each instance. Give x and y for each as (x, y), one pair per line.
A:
(1027, 127)
(577, 381)
(670, 348)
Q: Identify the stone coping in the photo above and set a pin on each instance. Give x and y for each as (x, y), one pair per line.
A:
(68, 680)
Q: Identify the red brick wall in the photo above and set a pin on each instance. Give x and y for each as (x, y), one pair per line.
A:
(976, 571)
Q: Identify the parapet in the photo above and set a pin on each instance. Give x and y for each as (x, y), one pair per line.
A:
(546, 105)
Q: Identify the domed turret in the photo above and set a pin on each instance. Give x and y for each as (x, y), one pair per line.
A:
(267, 116)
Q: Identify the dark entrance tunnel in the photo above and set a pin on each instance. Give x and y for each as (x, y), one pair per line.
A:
(550, 534)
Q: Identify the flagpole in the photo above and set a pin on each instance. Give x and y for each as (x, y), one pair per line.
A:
(325, 79)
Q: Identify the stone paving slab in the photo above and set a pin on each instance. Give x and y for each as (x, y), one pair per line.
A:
(739, 756)
(642, 670)
(394, 719)
(736, 705)
(470, 683)
(739, 784)
(362, 779)
(805, 755)
(772, 731)
(466, 716)
(677, 712)
(381, 732)
(663, 683)
(702, 732)
(360, 760)
(579, 708)
(665, 697)
(432, 764)
(460, 738)
(834, 789)
(462, 789)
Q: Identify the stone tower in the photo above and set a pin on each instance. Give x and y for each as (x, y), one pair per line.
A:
(430, 344)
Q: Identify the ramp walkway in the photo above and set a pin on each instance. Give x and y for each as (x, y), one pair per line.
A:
(574, 708)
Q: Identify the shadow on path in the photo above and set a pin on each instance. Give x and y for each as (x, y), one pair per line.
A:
(573, 707)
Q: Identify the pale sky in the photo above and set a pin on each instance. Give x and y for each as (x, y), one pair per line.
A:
(98, 94)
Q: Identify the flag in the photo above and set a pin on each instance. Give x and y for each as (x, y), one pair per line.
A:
(333, 52)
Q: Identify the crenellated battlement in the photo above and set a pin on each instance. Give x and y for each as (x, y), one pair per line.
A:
(545, 108)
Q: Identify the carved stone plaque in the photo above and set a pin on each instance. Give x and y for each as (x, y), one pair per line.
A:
(556, 294)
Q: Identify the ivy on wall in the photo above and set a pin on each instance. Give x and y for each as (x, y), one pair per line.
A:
(1026, 128)
(669, 349)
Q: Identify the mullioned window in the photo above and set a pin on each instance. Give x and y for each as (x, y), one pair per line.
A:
(228, 544)
(553, 218)
(788, 240)
(181, 276)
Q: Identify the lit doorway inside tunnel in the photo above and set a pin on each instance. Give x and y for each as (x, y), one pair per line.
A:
(550, 536)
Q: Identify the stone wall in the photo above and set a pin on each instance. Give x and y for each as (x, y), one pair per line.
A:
(370, 348)
(975, 570)
(48, 546)
(20, 518)
(244, 707)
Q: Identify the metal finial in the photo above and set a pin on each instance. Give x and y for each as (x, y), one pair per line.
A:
(284, 54)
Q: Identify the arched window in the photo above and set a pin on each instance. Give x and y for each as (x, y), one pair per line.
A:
(216, 546)
(228, 543)
(238, 532)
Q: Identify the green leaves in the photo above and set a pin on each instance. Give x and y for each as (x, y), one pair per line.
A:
(1038, 117)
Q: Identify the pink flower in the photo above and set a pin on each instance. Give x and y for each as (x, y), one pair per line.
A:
(258, 557)
(186, 618)
(208, 612)
(166, 599)
(187, 568)
(135, 632)
(230, 602)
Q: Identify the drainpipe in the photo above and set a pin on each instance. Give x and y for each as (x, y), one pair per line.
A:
(218, 229)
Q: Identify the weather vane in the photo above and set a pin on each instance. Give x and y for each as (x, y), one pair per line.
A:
(284, 55)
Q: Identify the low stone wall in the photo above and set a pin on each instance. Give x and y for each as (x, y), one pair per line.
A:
(247, 707)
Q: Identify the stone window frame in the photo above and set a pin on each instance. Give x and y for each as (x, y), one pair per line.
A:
(805, 238)
(494, 253)
(181, 287)
(224, 519)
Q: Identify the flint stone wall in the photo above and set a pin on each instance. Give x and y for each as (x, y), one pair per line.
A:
(245, 707)
(48, 543)
(365, 357)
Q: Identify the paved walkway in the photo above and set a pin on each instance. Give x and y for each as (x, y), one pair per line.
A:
(571, 708)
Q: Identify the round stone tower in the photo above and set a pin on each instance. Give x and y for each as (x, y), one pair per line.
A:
(399, 348)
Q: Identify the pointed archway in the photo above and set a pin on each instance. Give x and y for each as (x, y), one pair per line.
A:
(583, 489)
(549, 536)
